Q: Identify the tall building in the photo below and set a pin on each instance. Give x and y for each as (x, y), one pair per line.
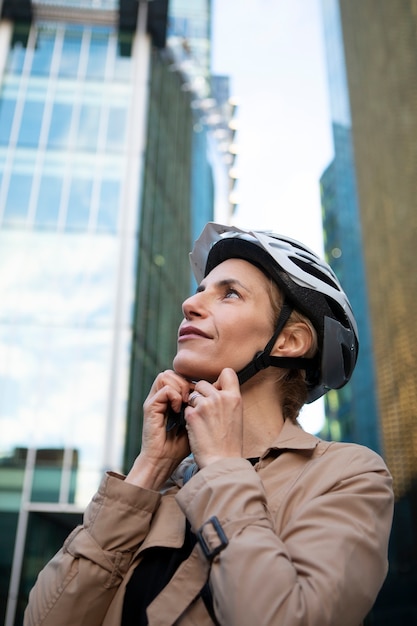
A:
(100, 134)
(379, 42)
(185, 166)
(351, 413)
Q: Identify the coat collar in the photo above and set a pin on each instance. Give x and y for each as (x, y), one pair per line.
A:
(293, 437)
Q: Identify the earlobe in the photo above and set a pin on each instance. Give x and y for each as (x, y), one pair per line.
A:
(295, 340)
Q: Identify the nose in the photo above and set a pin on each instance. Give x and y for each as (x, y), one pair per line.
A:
(193, 306)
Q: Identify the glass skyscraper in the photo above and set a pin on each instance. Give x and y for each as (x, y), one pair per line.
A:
(373, 85)
(69, 185)
(101, 151)
(352, 412)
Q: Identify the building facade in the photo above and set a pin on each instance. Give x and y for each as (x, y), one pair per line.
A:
(352, 412)
(379, 44)
(99, 140)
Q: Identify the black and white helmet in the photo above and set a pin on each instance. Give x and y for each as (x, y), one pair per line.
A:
(309, 285)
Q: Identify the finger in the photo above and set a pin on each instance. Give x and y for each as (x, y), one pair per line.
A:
(227, 380)
(169, 396)
(172, 379)
(193, 397)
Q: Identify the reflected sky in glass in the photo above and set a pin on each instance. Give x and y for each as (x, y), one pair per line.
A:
(56, 332)
(60, 245)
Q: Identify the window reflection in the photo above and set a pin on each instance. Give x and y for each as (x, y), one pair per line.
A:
(16, 56)
(59, 128)
(42, 58)
(48, 202)
(79, 204)
(123, 66)
(70, 53)
(46, 534)
(88, 127)
(17, 202)
(116, 131)
(7, 108)
(58, 289)
(97, 57)
(109, 206)
(31, 122)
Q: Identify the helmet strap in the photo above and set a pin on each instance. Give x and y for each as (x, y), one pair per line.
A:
(264, 359)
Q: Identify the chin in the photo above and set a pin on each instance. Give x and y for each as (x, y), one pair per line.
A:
(192, 371)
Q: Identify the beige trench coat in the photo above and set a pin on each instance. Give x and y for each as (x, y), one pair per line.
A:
(307, 532)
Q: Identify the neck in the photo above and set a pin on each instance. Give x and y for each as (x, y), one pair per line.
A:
(262, 415)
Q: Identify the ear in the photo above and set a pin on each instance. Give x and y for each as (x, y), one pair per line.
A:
(295, 340)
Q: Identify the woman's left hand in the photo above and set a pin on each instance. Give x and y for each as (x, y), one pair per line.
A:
(215, 419)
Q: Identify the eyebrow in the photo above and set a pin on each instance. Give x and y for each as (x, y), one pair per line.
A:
(225, 282)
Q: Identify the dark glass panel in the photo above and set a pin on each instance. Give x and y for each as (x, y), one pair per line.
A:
(8, 525)
(45, 535)
(11, 485)
(47, 475)
(123, 64)
(17, 52)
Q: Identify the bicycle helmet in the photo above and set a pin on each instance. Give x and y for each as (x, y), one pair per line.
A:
(308, 284)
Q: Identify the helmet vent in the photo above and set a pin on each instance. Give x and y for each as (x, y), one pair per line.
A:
(313, 271)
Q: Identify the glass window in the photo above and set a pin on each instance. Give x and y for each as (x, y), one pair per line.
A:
(109, 206)
(70, 53)
(60, 126)
(48, 202)
(78, 212)
(55, 364)
(123, 65)
(45, 535)
(17, 202)
(43, 53)
(6, 119)
(16, 57)
(96, 64)
(8, 527)
(30, 125)
(116, 129)
(47, 475)
(88, 127)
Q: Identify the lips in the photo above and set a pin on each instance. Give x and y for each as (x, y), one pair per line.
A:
(188, 332)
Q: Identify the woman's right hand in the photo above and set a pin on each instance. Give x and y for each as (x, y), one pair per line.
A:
(161, 451)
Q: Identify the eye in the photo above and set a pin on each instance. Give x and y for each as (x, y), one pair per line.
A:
(230, 293)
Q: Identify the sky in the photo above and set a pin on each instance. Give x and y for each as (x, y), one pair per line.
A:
(273, 52)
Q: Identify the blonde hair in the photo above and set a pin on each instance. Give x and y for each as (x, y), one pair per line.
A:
(292, 382)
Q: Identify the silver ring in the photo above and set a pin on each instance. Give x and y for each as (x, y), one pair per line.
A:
(193, 397)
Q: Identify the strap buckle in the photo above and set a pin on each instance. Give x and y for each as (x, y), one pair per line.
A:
(210, 553)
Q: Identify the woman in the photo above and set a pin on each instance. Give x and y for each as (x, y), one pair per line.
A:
(264, 523)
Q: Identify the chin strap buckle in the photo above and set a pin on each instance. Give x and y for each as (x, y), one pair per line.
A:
(262, 361)
(212, 542)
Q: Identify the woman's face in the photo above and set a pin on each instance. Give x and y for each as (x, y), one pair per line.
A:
(226, 322)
